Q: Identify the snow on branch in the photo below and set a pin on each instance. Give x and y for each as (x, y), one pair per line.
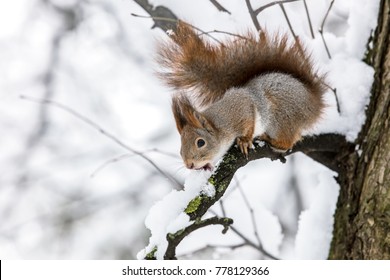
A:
(181, 212)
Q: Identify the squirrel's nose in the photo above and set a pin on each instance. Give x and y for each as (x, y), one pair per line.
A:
(190, 165)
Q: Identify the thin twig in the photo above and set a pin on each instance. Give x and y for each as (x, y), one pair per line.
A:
(126, 156)
(334, 90)
(291, 29)
(288, 22)
(252, 212)
(262, 8)
(326, 15)
(308, 19)
(250, 243)
(225, 32)
(337, 99)
(253, 15)
(231, 247)
(326, 46)
(220, 7)
(175, 21)
(247, 240)
(104, 132)
(110, 161)
(321, 30)
(156, 18)
(222, 208)
(165, 153)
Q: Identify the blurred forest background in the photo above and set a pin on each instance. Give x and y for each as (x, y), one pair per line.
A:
(69, 192)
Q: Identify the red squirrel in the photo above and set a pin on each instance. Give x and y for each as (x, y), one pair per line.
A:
(249, 87)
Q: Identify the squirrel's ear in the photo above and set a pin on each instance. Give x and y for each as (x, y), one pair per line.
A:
(178, 114)
(204, 122)
(185, 114)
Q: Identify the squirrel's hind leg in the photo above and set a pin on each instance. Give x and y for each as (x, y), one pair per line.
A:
(279, 145)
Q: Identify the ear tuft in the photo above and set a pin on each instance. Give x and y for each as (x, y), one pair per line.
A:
(185, 114)
(204, 122)
(178, 114)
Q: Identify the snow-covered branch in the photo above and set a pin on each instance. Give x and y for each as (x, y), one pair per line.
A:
(327, 149)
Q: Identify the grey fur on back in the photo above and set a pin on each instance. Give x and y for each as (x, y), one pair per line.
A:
(283, 102)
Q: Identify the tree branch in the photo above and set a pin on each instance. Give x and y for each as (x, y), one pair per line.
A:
(290, 26)
(220, 7)
(259, 10)
(176, 238)
(325, 148)
(158, 15)
(251, 244)
(253, 15)
(308, 19)
(259, 246)
(321, 30)
(251, 212)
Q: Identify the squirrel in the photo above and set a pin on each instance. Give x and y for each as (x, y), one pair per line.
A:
(250, 88)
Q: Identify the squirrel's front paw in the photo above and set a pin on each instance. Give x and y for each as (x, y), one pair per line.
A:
(244, 143)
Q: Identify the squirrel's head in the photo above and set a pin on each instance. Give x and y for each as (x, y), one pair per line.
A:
(200, 145)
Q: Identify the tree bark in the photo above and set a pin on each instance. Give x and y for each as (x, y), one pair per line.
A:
(362, 219)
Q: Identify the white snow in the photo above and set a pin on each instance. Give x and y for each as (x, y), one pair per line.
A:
(352, 79)
(167, 215)
(316, 223)
(269, 229)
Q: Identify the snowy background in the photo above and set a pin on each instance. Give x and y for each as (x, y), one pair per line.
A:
(69, 192)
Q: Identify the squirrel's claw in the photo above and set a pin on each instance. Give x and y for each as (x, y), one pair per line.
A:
(244, 144)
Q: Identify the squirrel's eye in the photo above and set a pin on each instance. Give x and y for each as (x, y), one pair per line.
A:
(200, 143)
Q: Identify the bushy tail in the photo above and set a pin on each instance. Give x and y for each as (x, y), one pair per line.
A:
(191, 63)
